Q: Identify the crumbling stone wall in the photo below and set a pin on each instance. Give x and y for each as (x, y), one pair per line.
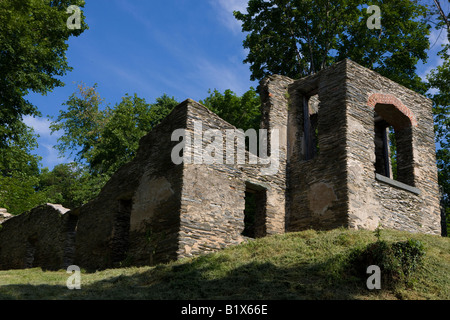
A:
(153, 210)
(135, 219)
(316, 177)
(412, 204)
(213, 195)
(332, 180)
(4, 215)
(327, 138)
(37, 238)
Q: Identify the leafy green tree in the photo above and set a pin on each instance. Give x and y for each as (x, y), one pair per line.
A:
(439, 80)
(297, 38)
(128, 122)
(18, 193)
(104, 137)
(81, 123)
(33, 45)
(19, 173)
(17, 158)
(242, 112)
(161, 109)
(69, 184)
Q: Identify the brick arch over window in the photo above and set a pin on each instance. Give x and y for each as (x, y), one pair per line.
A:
(383, 103)
(391, 112)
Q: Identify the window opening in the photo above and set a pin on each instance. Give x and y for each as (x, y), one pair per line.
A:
(310, 127)
(393, 144)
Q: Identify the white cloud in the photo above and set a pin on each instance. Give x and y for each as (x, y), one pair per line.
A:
(50, 156)
(437, 39)
(225, 9)
(41, 126)
(46, 141)
(220, 75)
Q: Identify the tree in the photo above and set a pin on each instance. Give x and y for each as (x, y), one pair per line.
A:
(104, 137)
(297, 38)
(242, 112)
(444, 18)
(17, 158)
(439, 83)
(19, 172)
(69, 184)
(127, 123)
(33, 35)
(439, 79)
(81, 123)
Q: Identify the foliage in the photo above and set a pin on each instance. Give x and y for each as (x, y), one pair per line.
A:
(70, 184)
(127, 123)
(18, 193)
(410, 254)
(17, 158)
(19, 172)
(397, 261)
(242, 112)
(33, 36)
(81, 123)
(106, 137)
(439, 81)
(297, 38)
(102, 138)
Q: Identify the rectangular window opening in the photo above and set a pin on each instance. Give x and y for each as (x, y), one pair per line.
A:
(382, 156)
(311, 126)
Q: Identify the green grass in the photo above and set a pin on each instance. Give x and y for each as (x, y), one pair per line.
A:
(302, 265)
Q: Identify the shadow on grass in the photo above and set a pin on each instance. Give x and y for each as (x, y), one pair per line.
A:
(208, 277)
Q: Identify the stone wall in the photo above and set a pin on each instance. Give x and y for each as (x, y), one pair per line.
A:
(154, 210)
(322, 171)
(379, 201)
(135, 218)
(37, 238)
(4, 215)
(331, 176)
(317, 186)
(213, 195)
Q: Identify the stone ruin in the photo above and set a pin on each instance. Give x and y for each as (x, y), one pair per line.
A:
(4, 215)
(334, 170)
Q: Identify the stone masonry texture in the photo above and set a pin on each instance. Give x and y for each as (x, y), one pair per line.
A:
(325, 132)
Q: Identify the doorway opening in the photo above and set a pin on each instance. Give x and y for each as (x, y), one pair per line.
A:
(121, 231)
(255, 211)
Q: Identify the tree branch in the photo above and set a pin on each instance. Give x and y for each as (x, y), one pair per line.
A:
(442, 14)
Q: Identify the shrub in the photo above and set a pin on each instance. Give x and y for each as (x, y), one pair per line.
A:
(397, 261)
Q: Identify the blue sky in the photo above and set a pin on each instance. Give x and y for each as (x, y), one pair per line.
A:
(179, 47)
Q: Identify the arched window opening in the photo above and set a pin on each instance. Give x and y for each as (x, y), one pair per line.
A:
(393, 144)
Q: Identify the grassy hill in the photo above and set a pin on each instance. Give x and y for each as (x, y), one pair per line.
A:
(303, 265)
